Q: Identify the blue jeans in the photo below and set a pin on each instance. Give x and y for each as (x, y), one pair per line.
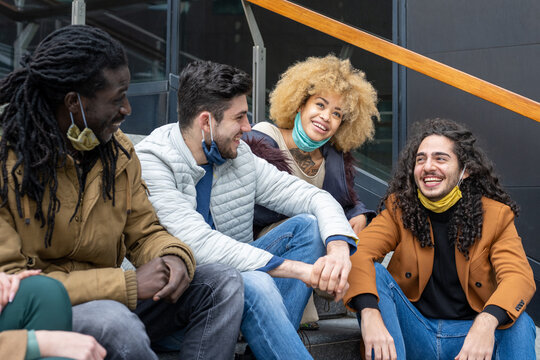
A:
(209, 312)
(418, 337)
(273, 307)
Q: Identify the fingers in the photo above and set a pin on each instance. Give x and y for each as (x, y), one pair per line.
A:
(178, 279)
(15, 281)
(339, 296)
(5, 288)
(100, 352)
(27, 273)
(316, 272)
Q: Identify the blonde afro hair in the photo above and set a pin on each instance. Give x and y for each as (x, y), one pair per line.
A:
(316, 75)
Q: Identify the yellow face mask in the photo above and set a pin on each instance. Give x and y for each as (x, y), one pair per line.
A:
(84, 140)
(446, 202)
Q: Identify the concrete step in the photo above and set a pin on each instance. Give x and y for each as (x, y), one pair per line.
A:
(335, 339)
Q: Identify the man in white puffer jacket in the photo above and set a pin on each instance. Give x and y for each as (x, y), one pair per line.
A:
(204, 183)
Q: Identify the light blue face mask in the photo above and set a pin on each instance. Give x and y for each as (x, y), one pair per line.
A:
(301, 139)
(212, 155)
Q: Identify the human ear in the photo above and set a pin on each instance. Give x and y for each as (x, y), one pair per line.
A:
(203, 119)
(71, 102)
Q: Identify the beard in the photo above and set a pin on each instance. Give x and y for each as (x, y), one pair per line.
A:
(227, 147)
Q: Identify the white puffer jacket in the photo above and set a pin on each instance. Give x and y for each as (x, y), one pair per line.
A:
(171, 174)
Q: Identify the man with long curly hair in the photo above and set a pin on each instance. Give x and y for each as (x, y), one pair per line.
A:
(73, 204)
(459, 281)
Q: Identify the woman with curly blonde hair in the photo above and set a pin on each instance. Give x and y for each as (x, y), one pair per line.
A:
(323, 109)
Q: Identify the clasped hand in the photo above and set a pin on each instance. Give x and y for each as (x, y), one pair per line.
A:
(162, 278)
(330, 272)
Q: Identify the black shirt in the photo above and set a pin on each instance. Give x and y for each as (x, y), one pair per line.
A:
(443, 297)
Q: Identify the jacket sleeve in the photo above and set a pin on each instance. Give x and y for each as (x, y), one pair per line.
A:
(177, 214)
(104, 283)
(514, 277)
(379, 238)
(289, 195)
(145, 237)
(13, 344)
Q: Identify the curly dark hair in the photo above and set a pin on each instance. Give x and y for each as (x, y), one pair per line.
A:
(69, 59)
(467, 219)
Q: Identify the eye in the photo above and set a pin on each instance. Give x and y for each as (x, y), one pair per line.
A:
(320, 105)
(420, 160)
(120, 99)
(337, 114)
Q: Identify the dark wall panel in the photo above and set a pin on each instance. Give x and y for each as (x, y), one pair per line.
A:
(441, 25)
(511, 140)
(498, 41)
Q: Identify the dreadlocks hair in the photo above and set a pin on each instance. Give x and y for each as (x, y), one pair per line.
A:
(69, 59)
(466, 222)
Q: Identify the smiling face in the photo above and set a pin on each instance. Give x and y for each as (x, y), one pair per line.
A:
(229, 130)
(436, 169)
(321, 115)
(107, 109)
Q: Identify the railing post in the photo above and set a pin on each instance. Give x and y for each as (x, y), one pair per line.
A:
(259, 67)
(78, 12)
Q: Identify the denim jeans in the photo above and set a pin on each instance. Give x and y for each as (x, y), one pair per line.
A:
(418, 337)
(273, 307)
(209, 313)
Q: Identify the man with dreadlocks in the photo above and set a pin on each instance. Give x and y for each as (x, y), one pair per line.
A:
(74, 204)
(459, 281)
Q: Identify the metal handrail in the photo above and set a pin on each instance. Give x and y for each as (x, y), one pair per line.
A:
(434, 69)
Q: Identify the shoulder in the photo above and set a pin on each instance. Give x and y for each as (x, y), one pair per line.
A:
(124, 140)
(159, 135)
(494, 209)
(267, 128)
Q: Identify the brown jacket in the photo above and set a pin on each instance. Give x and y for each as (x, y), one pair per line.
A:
(497, 272)
(86, 253)
(13, 344)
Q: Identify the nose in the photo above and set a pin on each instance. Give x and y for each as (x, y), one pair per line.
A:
(125, 109)
(245, 127)
(325, 114)
(429, 164)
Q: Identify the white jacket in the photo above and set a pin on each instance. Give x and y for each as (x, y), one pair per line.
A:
(171, 173)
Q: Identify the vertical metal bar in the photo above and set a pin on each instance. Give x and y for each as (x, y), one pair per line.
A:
(78, 12)
(399, 81)
(172, 66)
(402, 76)
(259, 67)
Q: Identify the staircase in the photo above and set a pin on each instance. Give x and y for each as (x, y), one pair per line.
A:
(337, 338)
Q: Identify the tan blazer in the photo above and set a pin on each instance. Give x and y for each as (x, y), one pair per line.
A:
(497, 272)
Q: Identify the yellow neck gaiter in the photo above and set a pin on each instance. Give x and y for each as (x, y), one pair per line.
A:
(442, 205)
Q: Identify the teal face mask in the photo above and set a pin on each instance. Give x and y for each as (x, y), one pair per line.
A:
(301, 139)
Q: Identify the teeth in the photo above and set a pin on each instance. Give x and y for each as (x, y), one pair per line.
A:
(319, 126)
(432, 179)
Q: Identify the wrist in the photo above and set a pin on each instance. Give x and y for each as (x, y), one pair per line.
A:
(337, 246)
(486, 321)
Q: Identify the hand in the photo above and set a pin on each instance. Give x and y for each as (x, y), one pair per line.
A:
(151, 278)
(178, 279)
(376, 337)
(9, 285)
(67, 344)
(358, 223)
(480, 340)
(330, 272)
